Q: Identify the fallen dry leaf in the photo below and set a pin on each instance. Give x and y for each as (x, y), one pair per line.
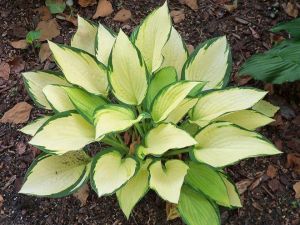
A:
(82, 194)
(20, 44)
(44, 13)
(291, 9)
(86, 3)
(190, 3)
(177, 15)
(4, 70)
(296, 188)
(259, 179)
(17, 65)
(171, 211)
(231, 7)
(123, 15)
(18, 114)
(69, 18)
(276, 38)
(45, 52)
(49, 29)
(190, 48)
(293, 161)
(1, 201)
(104, 8)
(241, 80)
(272, 171)
(243, 185)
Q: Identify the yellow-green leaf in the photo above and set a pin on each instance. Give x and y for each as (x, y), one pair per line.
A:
(105, 41)
(33, 127)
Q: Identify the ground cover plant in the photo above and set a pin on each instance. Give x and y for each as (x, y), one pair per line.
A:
(168, 116)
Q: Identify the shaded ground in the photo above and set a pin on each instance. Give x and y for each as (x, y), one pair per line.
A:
(267, 201)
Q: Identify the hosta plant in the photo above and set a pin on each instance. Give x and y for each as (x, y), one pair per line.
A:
(165, 119)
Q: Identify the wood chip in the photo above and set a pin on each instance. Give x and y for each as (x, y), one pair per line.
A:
(296, 188)
(20, 148)
(190, 3)
(254, 33)
(18, 114)
(82, 194)
(4, 70)
(293, 161)
(20, 44)
(104, 8)
(231, 7)
(177, 15)
(44, 52)
(243, 185)
(49, 29)
(9, 182)
(124, 15)
(240, 20)
(1, 201)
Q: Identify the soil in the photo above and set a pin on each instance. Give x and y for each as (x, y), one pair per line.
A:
(268, 201)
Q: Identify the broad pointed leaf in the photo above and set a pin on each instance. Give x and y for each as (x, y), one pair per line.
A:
(114, 118)
(174, 52)
(169, 98)
(178, 113)
(81, 68)
(33, 127)
(292, 27)
(58, 98)
(160, 79)
(127, 72)
(207, 180)
(265, 108)
(278, 65)
(57, 175)
(248, 119)
(85, 36)
(85, 102)
(232, 191)
(110, 171)
(222, 143)
(64, 132)
(105, 41)
(36, 81)
(216, 103)
(167, 179)
(135, 189)
(196, 209)
(211, 61)
(152, 35)
(163, 138)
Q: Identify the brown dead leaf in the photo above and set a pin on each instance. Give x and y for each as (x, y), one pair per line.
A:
(35, 151)
(69, 18)
(276, 38)
(123, 15)
(4, 70)
(296, 188)
(18, 114)
(293, 161)
(290, 9)
(272, 171)
(45, 52)
(190, 48)
(243, 185)
(190, 3)
(231, 7)
(49, 29)
(17, 65)
(177, 15)
(1, 201)
(82, 194)
(171, 211)
(86, 3)
(44, 13)
(20, 44)
(241, 80)
(127, 138)
(104, 8)
(259, 179)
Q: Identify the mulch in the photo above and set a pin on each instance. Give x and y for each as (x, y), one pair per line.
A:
(268, 201)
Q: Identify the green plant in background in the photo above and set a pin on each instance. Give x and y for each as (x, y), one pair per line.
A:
(33, 36)
(56, 6)
(281, 63)
(166, 117)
